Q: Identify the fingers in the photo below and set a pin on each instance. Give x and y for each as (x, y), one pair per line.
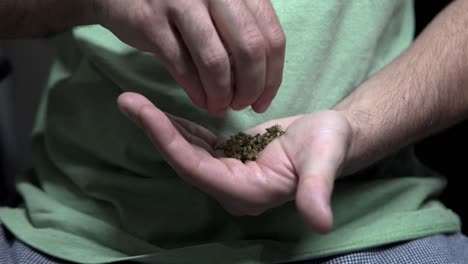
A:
(242, 36)
(160, 130)
(223, 53)
(226, 54)
(275, 45)
(192, 139)
(209, 54)
(196, 165)
(166, 44)
(195, 130)
(253, 33)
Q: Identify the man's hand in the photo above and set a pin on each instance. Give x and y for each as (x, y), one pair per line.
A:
(224, 53)
(302, 164)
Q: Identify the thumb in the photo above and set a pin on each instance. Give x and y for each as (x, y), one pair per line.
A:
(318, 168)
(313, 197)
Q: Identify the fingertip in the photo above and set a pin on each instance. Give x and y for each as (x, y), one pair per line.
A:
(135, 106)
(125, 101)
(265, 100)
(319, 218)
(197, 97)
(239, 103)
(130, 101)
(261, 107)
(238, 106)
(314, 206)
(325, 225)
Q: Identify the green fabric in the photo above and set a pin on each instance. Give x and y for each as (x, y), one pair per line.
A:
(99, 191)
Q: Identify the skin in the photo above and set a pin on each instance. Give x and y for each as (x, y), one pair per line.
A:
(283, 171)
(224, 53)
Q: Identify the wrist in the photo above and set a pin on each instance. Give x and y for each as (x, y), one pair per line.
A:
(360, 153)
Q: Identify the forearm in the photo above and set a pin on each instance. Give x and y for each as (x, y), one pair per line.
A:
(421, 92)
(27, 18)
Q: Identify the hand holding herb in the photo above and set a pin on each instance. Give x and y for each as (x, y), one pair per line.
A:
(299, 165)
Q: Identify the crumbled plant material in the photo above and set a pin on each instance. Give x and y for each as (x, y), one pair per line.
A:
(245, 147)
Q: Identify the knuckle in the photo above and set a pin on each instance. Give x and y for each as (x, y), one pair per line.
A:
(141, 16)
(180, 6)
(146, 18)
(215, 62)
(276, 39)
(253, 46)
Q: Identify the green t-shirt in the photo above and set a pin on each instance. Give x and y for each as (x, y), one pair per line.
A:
(100, 192)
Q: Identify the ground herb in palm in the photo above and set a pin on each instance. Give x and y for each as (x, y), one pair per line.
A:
(245, 147)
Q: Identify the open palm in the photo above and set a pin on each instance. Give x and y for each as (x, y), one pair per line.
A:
(302, 164)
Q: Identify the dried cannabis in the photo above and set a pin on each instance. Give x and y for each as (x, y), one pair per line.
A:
(246, 147)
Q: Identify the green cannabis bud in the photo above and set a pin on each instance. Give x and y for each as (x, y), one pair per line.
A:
(245, 147)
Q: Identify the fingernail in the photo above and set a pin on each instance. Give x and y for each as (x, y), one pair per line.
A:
(262, 108)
